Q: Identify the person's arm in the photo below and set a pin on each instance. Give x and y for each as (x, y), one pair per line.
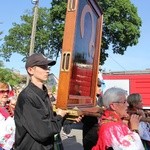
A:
(144, 131)
(37, 120)
(134, 122)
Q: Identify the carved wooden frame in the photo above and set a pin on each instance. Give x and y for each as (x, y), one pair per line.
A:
(80, 55)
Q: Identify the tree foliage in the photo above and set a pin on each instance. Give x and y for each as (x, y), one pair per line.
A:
(1, 34)
(18, 39)
(6, 75)
(121, 28)
(1, 64)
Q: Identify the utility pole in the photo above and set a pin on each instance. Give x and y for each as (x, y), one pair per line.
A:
(34, 24)
(35, 17)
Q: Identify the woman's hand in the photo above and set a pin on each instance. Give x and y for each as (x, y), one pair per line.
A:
(134, 121)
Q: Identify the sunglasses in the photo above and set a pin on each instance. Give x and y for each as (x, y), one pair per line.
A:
(4, 91)
(45, 67)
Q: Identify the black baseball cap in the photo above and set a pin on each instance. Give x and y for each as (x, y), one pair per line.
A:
(38, 59)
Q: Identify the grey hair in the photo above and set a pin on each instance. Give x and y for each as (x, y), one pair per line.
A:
(113, 94)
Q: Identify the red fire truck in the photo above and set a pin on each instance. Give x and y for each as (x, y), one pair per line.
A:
(132, 81)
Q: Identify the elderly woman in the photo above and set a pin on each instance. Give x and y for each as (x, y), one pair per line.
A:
(7, 125)
(114, 134)
(136, 104)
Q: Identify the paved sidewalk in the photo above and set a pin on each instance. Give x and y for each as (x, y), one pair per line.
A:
(75, 142)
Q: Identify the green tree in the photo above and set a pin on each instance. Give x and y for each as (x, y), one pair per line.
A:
(1, 34)
(18, 39)
(6, 75)
(53, 89)
(121, 28)
(1, 64)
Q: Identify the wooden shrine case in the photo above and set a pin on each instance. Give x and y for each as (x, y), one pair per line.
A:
(80, 55)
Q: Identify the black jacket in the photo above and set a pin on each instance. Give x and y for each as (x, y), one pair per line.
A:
(35, 120)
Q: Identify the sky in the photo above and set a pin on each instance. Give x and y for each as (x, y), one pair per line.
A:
(135, 58)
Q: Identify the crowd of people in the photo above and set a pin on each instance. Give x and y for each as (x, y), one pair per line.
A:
(113, 132)
(28, 122)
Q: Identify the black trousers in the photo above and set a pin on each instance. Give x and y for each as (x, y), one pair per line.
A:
(90, 132)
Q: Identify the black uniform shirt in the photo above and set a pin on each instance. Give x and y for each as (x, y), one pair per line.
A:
(35, 121)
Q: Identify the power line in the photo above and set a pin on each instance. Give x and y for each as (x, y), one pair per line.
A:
(117, 62)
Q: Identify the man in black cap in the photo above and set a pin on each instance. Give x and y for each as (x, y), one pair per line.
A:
(35, 121)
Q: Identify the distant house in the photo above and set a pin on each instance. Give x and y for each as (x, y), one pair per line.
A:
(52, 82)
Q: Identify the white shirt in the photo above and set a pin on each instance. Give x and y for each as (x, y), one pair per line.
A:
(7, 132)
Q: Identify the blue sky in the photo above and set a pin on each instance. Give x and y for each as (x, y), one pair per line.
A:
(135, 58)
